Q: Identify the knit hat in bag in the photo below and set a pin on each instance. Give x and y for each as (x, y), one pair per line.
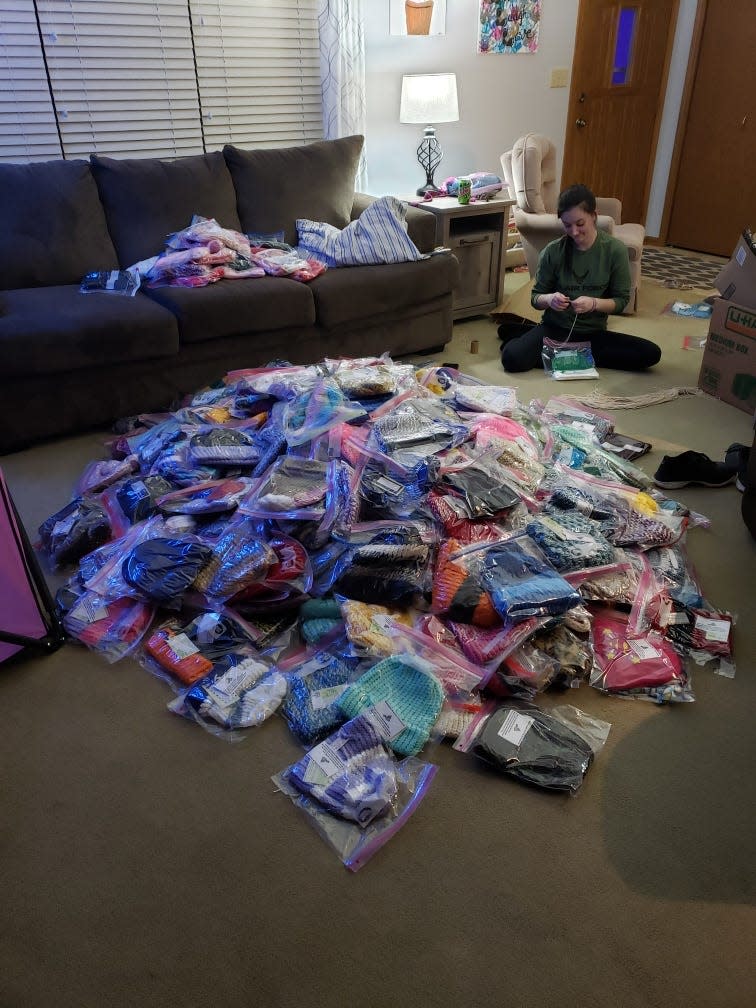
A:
(408, 686)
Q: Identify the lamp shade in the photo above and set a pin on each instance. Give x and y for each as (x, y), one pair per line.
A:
(429, 98)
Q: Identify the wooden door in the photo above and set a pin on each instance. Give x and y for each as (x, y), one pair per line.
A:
(715, 193)
(619, 77)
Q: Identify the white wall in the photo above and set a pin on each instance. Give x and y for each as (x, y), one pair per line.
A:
(500, 96)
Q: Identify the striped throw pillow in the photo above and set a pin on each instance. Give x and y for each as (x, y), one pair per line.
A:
(379, 235)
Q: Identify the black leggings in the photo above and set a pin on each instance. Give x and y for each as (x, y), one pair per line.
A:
(610, 349)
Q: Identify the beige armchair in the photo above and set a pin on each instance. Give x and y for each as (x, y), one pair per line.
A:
(530, 173)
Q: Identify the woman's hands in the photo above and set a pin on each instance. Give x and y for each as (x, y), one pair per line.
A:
(582, 305)
(560, 302)
(557, 301)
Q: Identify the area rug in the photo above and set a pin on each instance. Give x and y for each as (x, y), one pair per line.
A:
(674, 269)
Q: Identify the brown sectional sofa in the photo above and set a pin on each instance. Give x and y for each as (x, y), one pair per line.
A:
(71, 361)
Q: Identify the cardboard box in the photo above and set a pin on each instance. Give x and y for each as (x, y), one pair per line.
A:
(728, 368)
(737, 280)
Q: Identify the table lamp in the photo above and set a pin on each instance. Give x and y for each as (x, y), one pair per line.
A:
(429, 98)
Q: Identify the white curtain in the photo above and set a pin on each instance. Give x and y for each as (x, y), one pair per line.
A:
(342, 72)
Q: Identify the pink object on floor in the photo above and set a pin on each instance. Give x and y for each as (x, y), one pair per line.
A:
(20, 612)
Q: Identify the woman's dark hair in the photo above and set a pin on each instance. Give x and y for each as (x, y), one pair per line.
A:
(576, 196)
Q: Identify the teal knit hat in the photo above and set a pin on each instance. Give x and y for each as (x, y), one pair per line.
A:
(320, 608)
(313, 630)
(414, 694)
(317, 618)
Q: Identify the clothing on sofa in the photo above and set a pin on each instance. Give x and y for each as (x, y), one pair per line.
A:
(64, 220)
(204, 252)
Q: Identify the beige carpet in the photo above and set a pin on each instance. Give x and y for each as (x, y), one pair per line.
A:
(146, 863)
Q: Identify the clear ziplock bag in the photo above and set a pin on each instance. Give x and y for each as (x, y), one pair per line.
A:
(631, 664)
(522, 582)
(550, 749)
(458, 589)
(316, 411)
(293, 488)
(387, 563)
(315, 680)
(452, 514)
(483, 484)
(224, 446)
(238, 694)
(112, 628)
(411, 427)
(570, 540)
(568, 361)
(78, 528)
(404, 782)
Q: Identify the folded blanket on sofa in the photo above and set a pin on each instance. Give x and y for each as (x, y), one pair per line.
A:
(379, 235)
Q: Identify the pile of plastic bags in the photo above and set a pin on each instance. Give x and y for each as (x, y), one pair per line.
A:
(385, 557)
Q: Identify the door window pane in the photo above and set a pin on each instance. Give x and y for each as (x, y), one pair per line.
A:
(623, 47)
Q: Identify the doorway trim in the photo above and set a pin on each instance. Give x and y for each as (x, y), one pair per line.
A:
(682, 118)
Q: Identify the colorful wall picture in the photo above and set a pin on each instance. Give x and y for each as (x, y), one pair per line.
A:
(417, 17)
(509, 26)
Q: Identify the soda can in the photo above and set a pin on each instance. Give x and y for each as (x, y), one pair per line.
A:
(464, 190)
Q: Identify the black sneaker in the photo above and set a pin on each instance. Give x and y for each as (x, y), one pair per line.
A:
(678, 471)
(738, 455)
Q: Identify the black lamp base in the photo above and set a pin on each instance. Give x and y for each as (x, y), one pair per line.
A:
(429, 157)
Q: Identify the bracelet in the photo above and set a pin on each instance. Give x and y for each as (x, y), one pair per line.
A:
(594, 305)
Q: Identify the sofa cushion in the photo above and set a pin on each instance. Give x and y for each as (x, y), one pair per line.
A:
(236, 307)
(275, 187)
(363, 292)
(146, 199)
(53, 225)
(51, 329)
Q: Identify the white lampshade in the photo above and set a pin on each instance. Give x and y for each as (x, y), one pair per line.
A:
(429, 98)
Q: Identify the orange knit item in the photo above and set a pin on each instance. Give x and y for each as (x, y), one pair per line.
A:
(188, 669)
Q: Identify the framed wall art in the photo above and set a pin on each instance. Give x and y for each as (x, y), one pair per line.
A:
(509, 26)
(417, 17)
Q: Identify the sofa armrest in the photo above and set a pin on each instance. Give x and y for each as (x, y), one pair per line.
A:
(421, 224)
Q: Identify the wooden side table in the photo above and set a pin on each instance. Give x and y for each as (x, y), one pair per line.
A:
(477, 235)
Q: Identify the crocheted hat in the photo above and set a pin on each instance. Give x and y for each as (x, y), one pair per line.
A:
(318, 617)
(412, 691)
(363, 782)
(313, 630)
(308, 708)
(320, 608)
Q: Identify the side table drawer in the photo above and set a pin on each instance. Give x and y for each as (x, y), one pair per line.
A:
(477, 252)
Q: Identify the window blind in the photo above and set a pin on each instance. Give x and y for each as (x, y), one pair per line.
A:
(258, 71)
(28, 131)
(122, 76)
(165, 78)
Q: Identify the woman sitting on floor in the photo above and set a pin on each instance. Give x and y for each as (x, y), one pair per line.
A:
(581, 278)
